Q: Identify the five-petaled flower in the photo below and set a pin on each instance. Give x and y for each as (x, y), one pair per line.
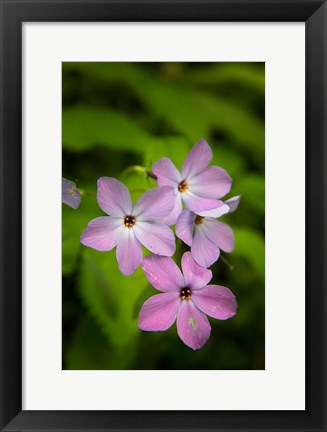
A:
(128, 226)
(185, 297)
(205, 235)
(70, 194)
(197, 185)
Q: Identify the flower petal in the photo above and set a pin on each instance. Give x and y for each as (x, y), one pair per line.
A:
(162, 273)
(233, 203)
(176, 211)
(166, 172)
(159, 312)
(155, 204)
(70, 194)
(185, 226)
(217, 212)
(213, 182)
(216, 301)
(198, 204)
(102, 233)
(197, 160)
(204, 252)
(159, 239)
(220, 234)
(129, 252)
(193, 326)
(195, 276)
(114, 197)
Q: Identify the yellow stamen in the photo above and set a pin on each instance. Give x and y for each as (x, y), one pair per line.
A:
(198, 220)
(186, 294)
(129, 221)
(182, 187)
(71, 191)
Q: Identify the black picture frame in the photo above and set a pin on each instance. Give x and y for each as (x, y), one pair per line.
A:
(13, 14)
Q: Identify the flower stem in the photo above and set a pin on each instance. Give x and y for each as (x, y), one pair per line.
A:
(225, 261)
(84, 192)
(138, 169)
(134, 168)
(151, 175)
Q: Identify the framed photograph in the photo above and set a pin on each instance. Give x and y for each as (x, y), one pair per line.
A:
(163, 208)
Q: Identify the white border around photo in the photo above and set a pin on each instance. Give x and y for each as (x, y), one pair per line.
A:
(281, 386)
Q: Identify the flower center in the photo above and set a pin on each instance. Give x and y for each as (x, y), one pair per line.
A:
(198, 220)
(129, 221)
(71, 191)
(186, 294)
(182, 187)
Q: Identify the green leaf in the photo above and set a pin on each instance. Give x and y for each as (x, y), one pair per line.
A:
(228, 158)
(73, 224)
(138, 184)
(71, 232)
(110, 296)
(224, 73)
(193, 113)
(103, 73)
(252, 189)
(175, 148)
(84, 127)
(91, 350)
(250, 245)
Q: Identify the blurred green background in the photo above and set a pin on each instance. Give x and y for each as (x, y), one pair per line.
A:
(120, 114)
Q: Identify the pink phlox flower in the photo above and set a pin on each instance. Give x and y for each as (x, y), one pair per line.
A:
(70, 194)
(129, 227)
(198, 185)
(205, 235)
(185, 298)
